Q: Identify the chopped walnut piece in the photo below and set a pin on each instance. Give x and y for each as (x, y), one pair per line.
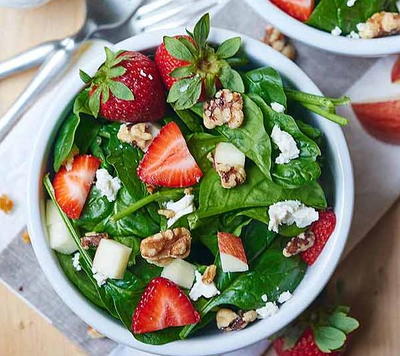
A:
(93, 333)
(379, 25)
(188, 191)
(299, 243)
(25, 237)
(168, 213)
(228, 320)
(278, 41)
(209, 274)
(160, 249)
(139, 134)
(6, 204)
(150, 188)
(225, 108)
(230, 176)
(92, 239)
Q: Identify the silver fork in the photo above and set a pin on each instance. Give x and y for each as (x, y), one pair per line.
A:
(106, 19)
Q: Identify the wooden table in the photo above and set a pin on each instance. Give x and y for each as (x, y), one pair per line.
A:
(371, 274)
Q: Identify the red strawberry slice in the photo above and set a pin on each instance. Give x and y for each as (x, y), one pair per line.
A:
(299, 9)
(396, 71)
(168, 162)
(306, 346)
(322, 229)
(72, 186)
(161, 306)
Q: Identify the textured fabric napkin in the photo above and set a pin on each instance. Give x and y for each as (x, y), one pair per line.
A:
(376, 164)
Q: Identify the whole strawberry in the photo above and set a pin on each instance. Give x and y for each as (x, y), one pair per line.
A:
(316, 333)
(322, 229)
(192, 69)
(127, 87)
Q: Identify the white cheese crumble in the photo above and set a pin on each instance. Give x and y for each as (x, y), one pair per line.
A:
(284, 297)
(277, 107)
(75, 261)
(337, 31)
(100, 278)
(267, 311)
(286, 144)
(264, 298)
(289, 212)
(181, 207)
(350, 3)
(201, 289)
(361, 26)
(107, 185)
(353, 35)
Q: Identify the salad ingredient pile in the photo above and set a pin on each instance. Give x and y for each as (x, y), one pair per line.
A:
(352, 18)
(179, 185)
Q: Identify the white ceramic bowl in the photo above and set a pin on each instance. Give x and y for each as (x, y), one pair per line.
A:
(323, 40)
(214, 343)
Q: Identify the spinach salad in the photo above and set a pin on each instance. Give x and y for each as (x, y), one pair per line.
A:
(194, 209)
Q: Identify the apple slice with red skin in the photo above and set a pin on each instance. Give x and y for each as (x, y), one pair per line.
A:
(396, 71)
(233, 256)
(380, 119)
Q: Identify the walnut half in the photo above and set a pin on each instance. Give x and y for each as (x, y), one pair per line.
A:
(299, 243)
(139, 135)
(225, 108)
(160, 249)
(379, 25)
(279, 42)
(230, 176)
(228, 320)
(92, 239)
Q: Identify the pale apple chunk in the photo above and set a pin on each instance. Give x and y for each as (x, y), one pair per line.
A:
(180, 272)
(60, 238)
(233, 256)
(226, 153)
(111, 259)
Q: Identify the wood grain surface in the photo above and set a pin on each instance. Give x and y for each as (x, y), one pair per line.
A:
(371, 273)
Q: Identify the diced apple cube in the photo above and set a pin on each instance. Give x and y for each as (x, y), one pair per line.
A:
(60, 238)
(111, 258)
(226, 153)
(180, 272)
(233, 256)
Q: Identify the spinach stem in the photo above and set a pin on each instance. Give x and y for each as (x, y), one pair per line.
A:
(159, 196)
(340, 120)
(309, 98)
(50, 190)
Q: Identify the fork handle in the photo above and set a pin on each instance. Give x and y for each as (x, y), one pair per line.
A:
(48, 72)
(30, 58)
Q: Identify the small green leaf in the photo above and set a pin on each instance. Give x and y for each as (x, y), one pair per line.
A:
(177, 49)
(183, 72)
(86, 78)
(81, 103)
(189, 45)
(231, 79)
(105, 94)
(120, 90)
(110, 55)
(343, 322)
(328, 338)
(202, 30)
(116, 72)
(94, 102)
(210, 86)
(185, 93)
(229, 48)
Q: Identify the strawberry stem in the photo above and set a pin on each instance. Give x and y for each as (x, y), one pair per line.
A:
(159, 196)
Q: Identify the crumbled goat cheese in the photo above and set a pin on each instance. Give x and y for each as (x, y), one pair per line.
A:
(268, 310)
(100, 278)
(264, 298)
(107, 185)
(289, 212)
(350, 3)
(286, 144)
(337, 31)
(277, 107)
(354, 35)
(284, 297)
(361, 26)
(181, 207)
(201, 289)
(75, 261)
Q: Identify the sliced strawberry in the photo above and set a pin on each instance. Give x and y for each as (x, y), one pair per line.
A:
(233, 256)
(396, 71)
(72, 186)
(299, 9)
(322, 229)
(161, 306)
(168, 162)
